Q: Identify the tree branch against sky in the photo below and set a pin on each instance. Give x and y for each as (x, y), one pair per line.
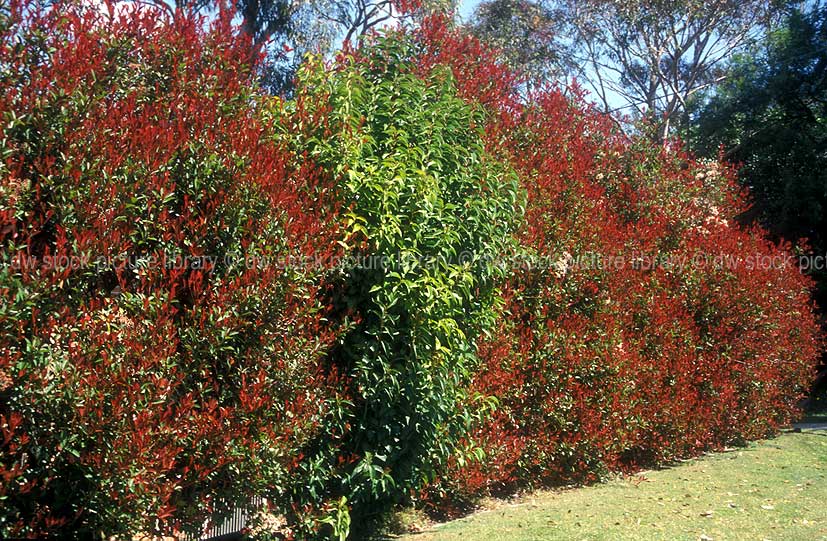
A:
(644, 58)
(656, 55)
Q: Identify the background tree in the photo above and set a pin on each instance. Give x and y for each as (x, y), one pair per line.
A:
(655, 55)
(320, 26)
(526, 34)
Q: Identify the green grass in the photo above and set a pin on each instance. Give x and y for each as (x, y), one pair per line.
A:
(773, 490)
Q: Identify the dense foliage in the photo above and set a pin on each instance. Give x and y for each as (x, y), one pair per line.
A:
(647, 324)
(408, 277)
(157, 356)
(770, 116)
(429, 212)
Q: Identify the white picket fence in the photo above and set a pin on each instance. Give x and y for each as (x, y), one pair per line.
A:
(230, 527)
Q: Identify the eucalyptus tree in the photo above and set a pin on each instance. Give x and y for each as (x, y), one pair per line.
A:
(526, 33)
(649, 58)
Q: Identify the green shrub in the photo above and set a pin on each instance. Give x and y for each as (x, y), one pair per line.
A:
(429, 213)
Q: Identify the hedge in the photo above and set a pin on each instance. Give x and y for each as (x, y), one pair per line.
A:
(411, 283)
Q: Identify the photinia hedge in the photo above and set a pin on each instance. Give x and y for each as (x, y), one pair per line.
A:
(647, 325)
(409, 281)
(159, 349)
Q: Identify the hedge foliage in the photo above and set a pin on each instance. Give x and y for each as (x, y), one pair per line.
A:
(156, 361)
(429, 213)
(409, 283)
(653, 326)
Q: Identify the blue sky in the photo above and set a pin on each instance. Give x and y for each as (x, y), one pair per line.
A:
(466, 8)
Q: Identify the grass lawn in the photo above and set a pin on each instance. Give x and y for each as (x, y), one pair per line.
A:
(774, 490)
